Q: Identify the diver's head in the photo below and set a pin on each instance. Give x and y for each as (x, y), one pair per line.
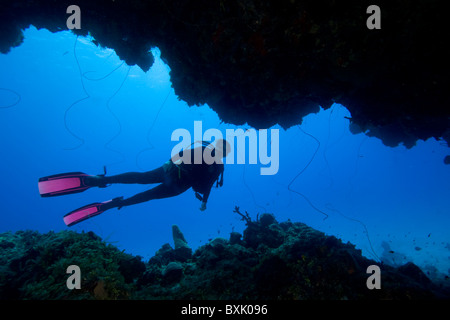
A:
(223, 148)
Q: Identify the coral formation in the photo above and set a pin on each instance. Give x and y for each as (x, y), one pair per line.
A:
(271, 260)
(33, 266)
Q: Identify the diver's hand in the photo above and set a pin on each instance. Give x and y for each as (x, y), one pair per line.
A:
(203, 206)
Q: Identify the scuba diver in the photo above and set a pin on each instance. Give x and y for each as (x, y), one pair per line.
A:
(175, 176)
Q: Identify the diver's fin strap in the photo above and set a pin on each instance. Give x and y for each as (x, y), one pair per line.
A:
(118, 199)
(102, 176)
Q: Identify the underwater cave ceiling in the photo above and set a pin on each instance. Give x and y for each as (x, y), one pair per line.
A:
(273, 62)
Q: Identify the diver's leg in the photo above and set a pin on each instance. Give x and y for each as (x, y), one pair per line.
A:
(159, 192)
(153, 176)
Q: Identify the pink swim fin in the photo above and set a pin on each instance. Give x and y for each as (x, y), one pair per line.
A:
(62, 184)
(86, 212)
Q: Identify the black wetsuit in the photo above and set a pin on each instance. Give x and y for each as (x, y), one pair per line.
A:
(201, 177)
(174, 180)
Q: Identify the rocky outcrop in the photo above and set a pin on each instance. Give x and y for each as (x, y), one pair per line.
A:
(283, 261)
(274, 62)
(33, 266)
(271, 260)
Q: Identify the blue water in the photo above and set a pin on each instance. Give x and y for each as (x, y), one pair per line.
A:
(100, 112)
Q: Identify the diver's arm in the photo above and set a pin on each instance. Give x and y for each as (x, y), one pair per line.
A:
(206, 194)
(220, 181)
(205, 197)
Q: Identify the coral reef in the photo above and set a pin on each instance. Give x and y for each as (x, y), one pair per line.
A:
(273, 62)
(33, 266)
(271, 260)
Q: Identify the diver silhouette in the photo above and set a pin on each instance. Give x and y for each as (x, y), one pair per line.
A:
(183, 171)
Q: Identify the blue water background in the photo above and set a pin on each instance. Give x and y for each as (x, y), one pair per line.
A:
(123, 118)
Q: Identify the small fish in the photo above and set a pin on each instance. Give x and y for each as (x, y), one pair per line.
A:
(418, 248)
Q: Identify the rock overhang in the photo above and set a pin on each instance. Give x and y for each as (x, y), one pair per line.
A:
(267, 63)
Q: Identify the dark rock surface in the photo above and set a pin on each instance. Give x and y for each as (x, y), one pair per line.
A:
(268, 62)
(286, 261)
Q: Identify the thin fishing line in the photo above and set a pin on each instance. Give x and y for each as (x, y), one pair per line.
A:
(366, 231)
(82, 141)
(117, 119)
(82, 76)
(244, 180)
(105, 76)
(303, 170)
(151, 147)
(335, 210)
(332, 209)
(19, 98)
(104, 61)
